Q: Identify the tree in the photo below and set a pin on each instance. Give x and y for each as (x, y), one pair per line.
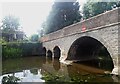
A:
(34, 38)
(9, 25)
(61, 15)
(92, 8)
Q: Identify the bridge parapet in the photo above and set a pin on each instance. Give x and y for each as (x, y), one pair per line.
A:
(103, 19)
(98, 21)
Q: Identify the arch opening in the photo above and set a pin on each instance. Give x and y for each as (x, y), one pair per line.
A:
(49, 53)
(56, 52)
(89, 51)
(43, 53)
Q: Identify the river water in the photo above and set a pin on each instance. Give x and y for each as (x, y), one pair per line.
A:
(42, 69)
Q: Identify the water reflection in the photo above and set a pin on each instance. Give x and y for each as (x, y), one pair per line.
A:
(48, 60)
(56, 64)
(27, 76)
(100, 63)
(84, 73)
(40, 66)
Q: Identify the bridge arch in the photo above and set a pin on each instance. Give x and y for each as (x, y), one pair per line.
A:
(49, 53)
(43, 51)
(87, 48)
(56, 52)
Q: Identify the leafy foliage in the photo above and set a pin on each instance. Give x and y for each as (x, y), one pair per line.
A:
(34, 38)
(11, 52)
(9, 25)
(10, 29)
(15, 50)
(10, 80)
(92, 8)
(61, 15)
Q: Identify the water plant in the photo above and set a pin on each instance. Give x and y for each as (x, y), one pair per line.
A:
(10, 79)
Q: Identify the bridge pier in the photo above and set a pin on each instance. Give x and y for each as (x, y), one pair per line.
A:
(115, 70)
(63, 56)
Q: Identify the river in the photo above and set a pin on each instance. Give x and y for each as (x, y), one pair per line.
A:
(42, 69)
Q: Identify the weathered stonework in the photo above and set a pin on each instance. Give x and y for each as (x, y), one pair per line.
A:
(103, 28)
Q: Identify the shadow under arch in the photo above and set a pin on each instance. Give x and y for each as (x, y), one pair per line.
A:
(89, 51)
(49, 53)
(44, 51)
(57, 52)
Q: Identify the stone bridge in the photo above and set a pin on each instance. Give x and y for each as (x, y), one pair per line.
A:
(84, 40)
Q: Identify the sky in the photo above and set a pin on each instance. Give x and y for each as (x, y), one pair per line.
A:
(31, 13)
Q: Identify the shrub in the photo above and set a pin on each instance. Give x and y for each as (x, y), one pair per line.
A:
(10, 52)
(16, 49)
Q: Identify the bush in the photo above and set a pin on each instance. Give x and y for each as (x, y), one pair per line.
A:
(15, 50)
(10, 52)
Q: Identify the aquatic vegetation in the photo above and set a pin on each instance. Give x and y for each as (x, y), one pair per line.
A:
(10, 79)
(56, 78)
(61, 78)
(76, 78)
(51, 78)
